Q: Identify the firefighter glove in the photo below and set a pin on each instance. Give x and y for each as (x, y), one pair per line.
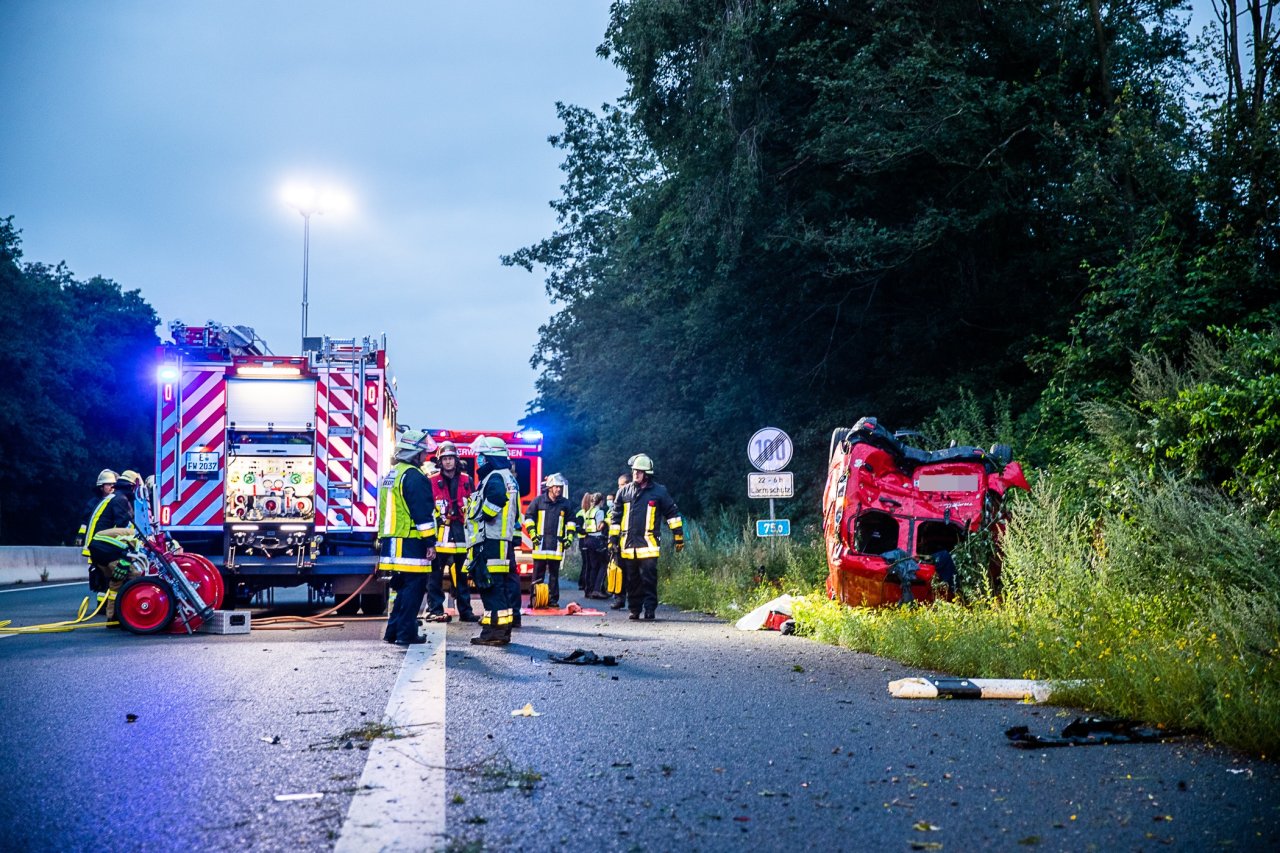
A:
(679, 537)
(120, 570)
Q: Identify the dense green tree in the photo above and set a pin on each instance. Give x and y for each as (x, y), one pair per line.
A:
(802, 212)
(78, 392)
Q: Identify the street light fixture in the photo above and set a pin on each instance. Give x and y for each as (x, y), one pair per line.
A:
(308, 200)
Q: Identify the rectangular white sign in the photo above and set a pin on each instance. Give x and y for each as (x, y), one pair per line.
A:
(777, 484)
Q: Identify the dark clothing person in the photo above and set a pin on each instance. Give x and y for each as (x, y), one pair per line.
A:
(550, 525)
(494, 510)
(633, 532)
(451, 493)
(594, 549)
(407, 541)
(113, 512)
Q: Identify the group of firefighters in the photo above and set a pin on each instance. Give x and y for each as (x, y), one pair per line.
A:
(433, 521)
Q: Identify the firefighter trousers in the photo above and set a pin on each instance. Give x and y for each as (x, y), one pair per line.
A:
(501, 602)
(402, 624)
(548, 572)
(114, 583)
(640, 583)
(591, 581)
(455, 566)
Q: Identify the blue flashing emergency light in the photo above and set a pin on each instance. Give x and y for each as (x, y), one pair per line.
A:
(167, 373)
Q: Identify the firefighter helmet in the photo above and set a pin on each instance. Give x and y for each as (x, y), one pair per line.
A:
(446, 448)
(133, 477)
(558, 480)
(430, 469)
(414, 441)
(488, 445)
(641, 462)
(106, 477)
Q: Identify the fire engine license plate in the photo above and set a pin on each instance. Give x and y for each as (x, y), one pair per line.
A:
(202, 463)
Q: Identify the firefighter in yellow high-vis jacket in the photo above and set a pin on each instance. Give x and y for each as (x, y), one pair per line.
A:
(633, 535)
(407, 534)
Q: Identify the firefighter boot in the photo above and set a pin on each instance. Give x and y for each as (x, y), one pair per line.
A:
(491, 635)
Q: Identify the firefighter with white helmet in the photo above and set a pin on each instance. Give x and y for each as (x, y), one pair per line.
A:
(633, 535)
(407, 534)
(103, 488)
(492, 515)
(451, 487)
(550, 526)
(110, 538)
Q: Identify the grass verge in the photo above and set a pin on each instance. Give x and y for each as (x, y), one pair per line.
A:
(1170, 613)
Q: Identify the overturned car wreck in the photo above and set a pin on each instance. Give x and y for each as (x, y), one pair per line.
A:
(892, 514)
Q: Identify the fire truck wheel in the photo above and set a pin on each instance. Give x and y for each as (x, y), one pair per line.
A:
(145, 605)
(373, 603)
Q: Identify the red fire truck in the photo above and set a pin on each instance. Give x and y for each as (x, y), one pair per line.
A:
(525, 449)
(269, 465)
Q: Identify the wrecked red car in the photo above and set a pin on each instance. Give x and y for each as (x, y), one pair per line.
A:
(892, 514)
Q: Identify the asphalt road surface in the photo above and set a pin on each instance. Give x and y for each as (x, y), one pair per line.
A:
(701, 738)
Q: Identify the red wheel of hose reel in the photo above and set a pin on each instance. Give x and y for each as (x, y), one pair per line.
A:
(145, 605)
(202, 574)
(207, 581)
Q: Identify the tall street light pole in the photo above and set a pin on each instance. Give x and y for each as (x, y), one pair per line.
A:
(308, 201)
(306, 256)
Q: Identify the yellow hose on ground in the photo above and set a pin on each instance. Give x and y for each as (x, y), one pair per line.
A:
(81, 621)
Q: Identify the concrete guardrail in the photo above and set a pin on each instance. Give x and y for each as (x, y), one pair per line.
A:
(35, 564)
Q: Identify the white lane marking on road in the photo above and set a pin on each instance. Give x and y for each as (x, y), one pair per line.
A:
(400, 803)
(41, 586)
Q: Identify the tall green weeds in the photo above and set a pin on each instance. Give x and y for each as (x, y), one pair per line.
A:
(1168, 611)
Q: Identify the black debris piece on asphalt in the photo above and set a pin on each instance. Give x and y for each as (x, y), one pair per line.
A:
(582, 657)
(1088, 731)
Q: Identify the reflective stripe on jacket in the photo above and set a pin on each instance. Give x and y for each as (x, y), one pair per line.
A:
(549, 525)
(634, 520)
(495, 506)
(451, 494)
(112, 511)
(407, 513)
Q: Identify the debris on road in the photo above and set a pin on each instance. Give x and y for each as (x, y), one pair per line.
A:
(583, 657)
(771, 615)
(274, 739)
(975, 688)
(289, 798)
(1088, 731)
(131, 718)
(526, 711)
(573, 609)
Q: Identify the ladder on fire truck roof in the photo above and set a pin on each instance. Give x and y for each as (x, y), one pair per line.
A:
(343, 473)
(337, 350)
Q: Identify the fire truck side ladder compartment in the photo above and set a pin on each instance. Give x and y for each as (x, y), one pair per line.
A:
(335, 354)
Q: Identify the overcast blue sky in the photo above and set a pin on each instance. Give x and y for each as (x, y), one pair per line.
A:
(147, 142)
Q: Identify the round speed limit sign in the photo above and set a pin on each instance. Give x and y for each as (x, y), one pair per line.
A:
(769, 449)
